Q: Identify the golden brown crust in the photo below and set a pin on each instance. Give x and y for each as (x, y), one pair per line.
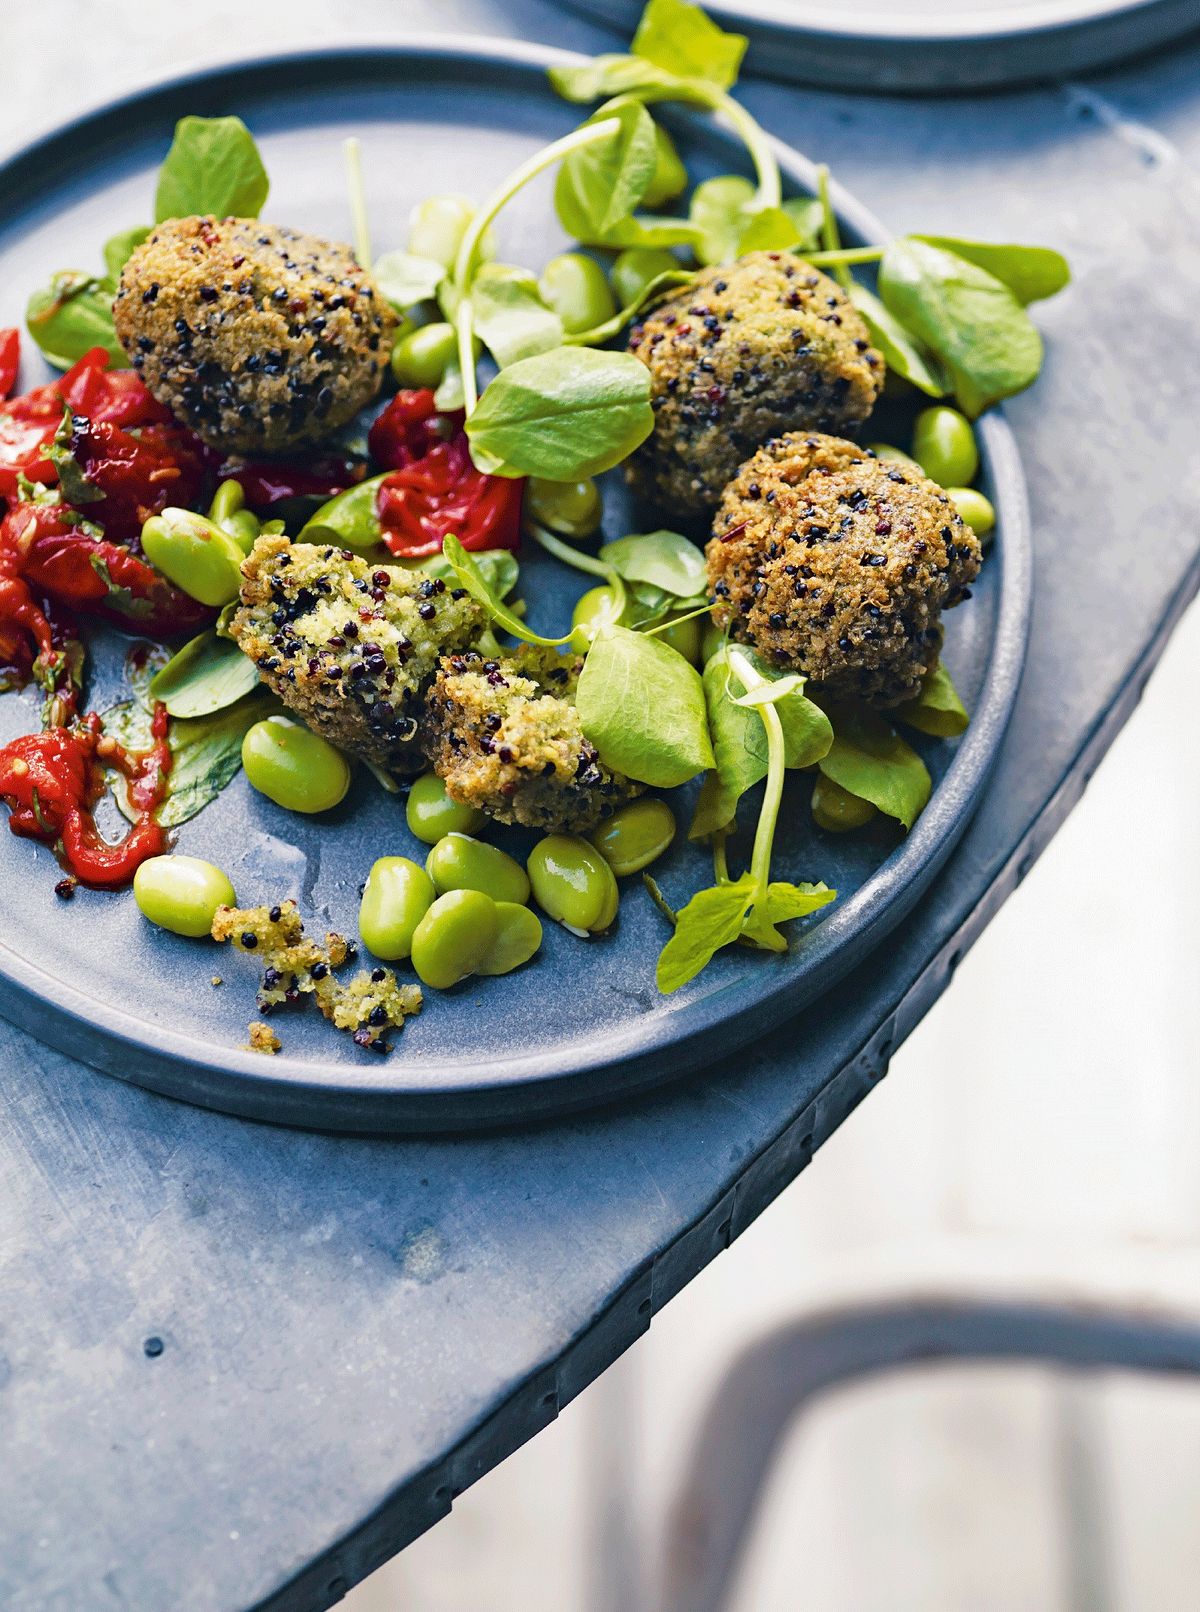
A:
(842, 574)
(749, 349)
(348, 645)
(260, 338)
(295, 965)
(504, 736)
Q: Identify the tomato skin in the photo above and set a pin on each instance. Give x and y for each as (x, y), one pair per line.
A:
(52, 781)
(131, 477)
(434, 489)
(10, 359)
(48, 550)
(28, 423)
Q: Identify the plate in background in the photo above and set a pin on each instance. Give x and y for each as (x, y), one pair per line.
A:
(921, 45)
(583, 1023)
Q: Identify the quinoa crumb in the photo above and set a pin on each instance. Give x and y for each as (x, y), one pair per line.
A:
(296, 965)
(263, 1038)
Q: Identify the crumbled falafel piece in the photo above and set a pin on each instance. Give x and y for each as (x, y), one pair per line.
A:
(263, 1038)
(842, 575)
(260, 338)
(749, 349)
(295, 965)
(504, 736)
(350, 646)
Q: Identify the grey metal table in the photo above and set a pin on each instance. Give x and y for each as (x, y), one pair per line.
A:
(240, 1367)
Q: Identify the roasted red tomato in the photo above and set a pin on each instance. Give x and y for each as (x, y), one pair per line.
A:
(119, 479)
(434, 489)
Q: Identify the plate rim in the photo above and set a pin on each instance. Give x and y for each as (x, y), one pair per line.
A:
(398, 1096)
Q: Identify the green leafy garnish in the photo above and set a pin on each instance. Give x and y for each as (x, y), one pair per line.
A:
(868, 758)
(213, 166)
(350, 518)
(752, 907)
(682, 40)
(497, 567)
(206, 752)
(406, 279)
(511, 316)
(650, 293)
(937, 709)
(118, 249)
(642, 706)
(565, 414)
(902, 351)
(1029, 272)
(205, 676)
(72, 315)
(664, 560)
(739, 739)
(965, 315)
(486, 593)
(731, 220)
(75, 486)
(599, 185)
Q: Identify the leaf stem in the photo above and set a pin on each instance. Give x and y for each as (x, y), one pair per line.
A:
(768, 817)
(758, 144)
(846, 255)
(659, 900)
(663, 626)
(465, 263)
(659, 286)
(588, 563)
(831, 240)
(358, 201)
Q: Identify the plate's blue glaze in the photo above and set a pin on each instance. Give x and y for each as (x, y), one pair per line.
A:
(911, 45)
(584, 1022)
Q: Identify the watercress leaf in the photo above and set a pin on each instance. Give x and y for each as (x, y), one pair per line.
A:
(648, 229)
(206, 752)
(498, 568)
(971, 320)
(779, 904)
(213, 166)
(207, 755)
(511, 317)
(712, 918)
(471, 577)
(769, 229)
(565, 414)
(868, 758)
(406, 279)
(450, 395)
(1029, 272)
(806, 214)
(601, 184)
(642, 706)
(682, 40)
(904, 354)
(350, 518)
(74, 485)
(118, 249)
(610, 75)
(720, 211)
(205, 676)
(663, 559)
(72, 315)
(740, 742)
(937, 709)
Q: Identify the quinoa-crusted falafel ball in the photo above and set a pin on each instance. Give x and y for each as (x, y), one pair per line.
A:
(749, 349)
(258, 337)
(348, 646)
(842, 573)
(504, 736)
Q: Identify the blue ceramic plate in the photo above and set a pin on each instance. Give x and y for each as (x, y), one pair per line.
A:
(912, 45)
(584, 1023)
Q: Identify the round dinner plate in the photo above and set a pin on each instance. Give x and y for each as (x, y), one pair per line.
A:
(915, 45)
(584, 1022)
